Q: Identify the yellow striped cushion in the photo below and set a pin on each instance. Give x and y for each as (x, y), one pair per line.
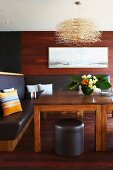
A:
(10, 102)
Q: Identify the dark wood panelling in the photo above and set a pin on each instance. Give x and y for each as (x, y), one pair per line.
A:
(34, 55)
(10, 51)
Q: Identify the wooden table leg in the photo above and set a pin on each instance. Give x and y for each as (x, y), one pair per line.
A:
(104, 110)
(37, 136)
(98, 128)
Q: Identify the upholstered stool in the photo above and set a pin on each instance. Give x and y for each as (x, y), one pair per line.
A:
(69, 137)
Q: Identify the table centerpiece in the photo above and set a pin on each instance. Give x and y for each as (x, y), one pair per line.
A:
(89, 83)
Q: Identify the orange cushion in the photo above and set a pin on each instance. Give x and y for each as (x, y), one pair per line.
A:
(10, 102)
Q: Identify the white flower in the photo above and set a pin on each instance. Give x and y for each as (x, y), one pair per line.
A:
(89, 76)
(84, 76)
(95, 79)
(91, 81)
(90, 85)
(94, 87)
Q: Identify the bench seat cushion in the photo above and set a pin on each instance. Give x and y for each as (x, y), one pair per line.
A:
(12, 125)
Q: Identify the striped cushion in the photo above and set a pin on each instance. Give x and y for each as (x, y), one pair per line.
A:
(10, 102)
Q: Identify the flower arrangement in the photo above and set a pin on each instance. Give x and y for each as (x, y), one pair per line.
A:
(89, 83)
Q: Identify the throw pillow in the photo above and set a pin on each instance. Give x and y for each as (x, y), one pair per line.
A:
(48, 88)
(32, 88)
(10, 102)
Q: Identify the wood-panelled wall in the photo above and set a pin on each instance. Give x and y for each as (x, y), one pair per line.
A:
(34, 55)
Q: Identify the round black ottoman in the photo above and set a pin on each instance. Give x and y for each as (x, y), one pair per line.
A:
(69, 137)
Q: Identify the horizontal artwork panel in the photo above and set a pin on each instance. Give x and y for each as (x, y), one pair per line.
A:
(70, 57)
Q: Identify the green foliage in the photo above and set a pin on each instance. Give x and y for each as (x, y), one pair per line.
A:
(102, 82)
(75, 82)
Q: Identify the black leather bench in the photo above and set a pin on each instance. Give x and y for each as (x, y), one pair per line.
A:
(13, 126)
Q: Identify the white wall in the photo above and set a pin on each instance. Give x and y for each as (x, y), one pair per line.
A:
(44, 15)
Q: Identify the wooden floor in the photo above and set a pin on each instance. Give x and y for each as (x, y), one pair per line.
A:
(24, 156)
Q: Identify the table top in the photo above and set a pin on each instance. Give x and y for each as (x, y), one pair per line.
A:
(72, 98)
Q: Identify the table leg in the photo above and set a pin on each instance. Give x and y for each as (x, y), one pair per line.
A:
(98, 128)
(104, 111)
(37, 136)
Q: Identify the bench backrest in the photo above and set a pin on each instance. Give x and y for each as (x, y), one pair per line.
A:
(13, 81)
(60, 82)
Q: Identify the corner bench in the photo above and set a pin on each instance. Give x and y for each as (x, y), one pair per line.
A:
(12, 127)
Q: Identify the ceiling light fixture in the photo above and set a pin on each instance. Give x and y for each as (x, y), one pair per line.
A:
(79, 31)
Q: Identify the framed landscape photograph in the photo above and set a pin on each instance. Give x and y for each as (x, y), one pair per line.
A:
(78, 57)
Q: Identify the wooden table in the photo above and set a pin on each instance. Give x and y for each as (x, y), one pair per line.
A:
(106, 103)
(70, 101)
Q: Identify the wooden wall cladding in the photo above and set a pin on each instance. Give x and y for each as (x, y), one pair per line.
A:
(34, 55)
